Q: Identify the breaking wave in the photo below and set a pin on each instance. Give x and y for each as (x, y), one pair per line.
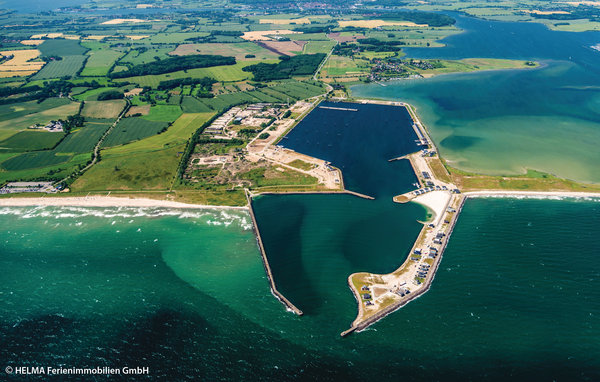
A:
(209, 216)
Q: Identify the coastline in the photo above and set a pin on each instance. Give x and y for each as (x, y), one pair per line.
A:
(530, 194)
(441, 208)
(103, 201)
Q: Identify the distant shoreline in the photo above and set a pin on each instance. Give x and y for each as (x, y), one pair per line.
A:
(104, 201)
(530, 194)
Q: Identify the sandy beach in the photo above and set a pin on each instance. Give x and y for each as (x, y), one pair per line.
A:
(102, 201)
(437, 201)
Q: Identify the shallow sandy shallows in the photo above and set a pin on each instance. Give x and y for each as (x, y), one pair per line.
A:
(437, 201)
(101, 201)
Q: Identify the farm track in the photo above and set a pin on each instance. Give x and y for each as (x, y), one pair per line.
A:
(96, 152)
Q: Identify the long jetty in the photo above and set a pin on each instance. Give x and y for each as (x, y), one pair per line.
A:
(426, 285)
(289, 306)
(337, 108)
(317, 193)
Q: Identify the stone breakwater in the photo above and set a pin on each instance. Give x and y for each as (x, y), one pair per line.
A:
(288, 305)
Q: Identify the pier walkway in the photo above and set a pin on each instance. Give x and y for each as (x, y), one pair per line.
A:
(337, 108)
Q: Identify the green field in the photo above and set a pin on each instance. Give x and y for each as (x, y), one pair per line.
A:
(33, 160)
(99, 62)
(92, 93)
(194, 105)
(56, 171)
(24, 118)
(238, 50)
(318, 47)
(80, 141)
(31, 140)
(103, 109)
(173, 38)
(163, 113)
(68, 66)
(147, 164)
(15, 110)
(135, 57)
(341, 66)
(133, 129)
(61, 47)
(226, 73)
(84, 139)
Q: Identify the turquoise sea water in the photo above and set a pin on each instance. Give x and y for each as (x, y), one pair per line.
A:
(185, 293)
(503, 122)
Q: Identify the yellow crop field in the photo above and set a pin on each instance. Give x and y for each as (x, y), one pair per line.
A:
(32, 42)
(96, 37)
(19, 65)
(547, 12)
(377, 23)
(264, 35)
(47, 35)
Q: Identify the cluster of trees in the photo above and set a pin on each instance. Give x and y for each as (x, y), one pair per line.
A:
(51, 58)
(429, 18)
(287, 67)
(203, 84)
(375, 45)
(174, 64)
(110, 94)
(40, 93)
(72, 122)
(575, 13)
(345, 49)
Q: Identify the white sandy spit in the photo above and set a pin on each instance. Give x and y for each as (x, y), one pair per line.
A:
(437, 201)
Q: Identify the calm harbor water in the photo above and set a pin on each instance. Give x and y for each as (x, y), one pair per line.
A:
(185, 294)
(503, 122)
